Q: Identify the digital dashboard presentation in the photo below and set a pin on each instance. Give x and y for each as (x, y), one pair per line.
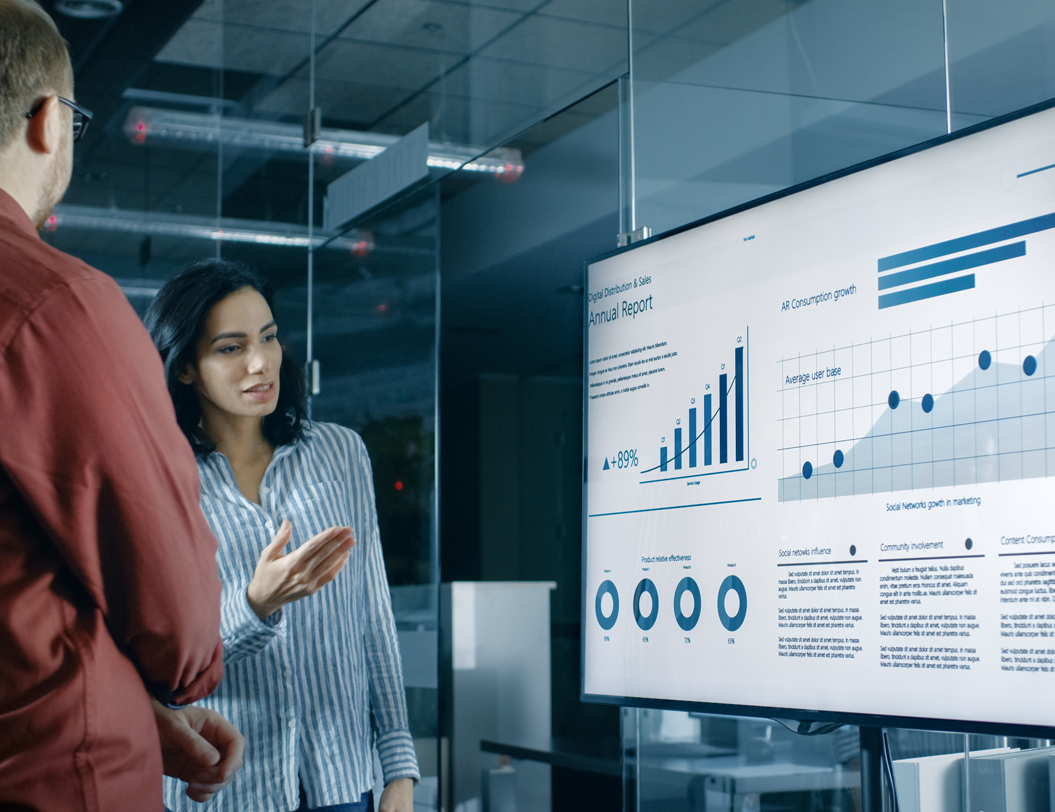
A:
(820, 446)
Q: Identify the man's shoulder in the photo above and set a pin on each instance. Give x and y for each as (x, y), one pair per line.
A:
(33, 274)
(32, 268)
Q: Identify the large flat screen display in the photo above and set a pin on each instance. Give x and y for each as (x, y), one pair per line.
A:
(820, 448)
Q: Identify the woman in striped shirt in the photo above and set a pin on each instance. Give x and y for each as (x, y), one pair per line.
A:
(312, 671)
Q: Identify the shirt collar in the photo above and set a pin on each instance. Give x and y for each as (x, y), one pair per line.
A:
(15, 216)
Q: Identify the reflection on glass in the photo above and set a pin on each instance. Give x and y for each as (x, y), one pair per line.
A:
(999, 58)
(736, 100)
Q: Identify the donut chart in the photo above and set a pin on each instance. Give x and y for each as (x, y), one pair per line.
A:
(732, 584)
(687, 623)
(607, 588)
(646, 622)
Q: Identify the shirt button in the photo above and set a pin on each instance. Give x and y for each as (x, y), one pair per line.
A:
(287, 673)
(265, 490)
(292, 723)
(269, 524)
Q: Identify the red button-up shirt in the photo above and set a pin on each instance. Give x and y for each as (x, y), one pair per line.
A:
(107, 566)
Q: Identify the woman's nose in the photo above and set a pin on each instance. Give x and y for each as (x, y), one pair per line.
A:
(257, 360)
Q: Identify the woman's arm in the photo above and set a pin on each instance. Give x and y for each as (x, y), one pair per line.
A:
(251, 614)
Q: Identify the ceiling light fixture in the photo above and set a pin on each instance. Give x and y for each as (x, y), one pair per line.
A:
(206, 130)
(90, 9)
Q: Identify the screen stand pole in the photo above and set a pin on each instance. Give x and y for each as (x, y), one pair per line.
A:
(871, 769)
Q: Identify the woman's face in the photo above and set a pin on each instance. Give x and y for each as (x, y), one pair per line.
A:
(238, 357)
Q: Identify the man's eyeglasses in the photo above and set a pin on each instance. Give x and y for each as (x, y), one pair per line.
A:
(81, 116)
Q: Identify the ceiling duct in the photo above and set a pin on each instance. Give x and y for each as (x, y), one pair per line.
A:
(226, 229)
(206, 129)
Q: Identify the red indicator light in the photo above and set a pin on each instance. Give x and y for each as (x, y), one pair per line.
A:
(141, 127)
(399, 485)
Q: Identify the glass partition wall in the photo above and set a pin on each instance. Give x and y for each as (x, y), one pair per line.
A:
(198, 149)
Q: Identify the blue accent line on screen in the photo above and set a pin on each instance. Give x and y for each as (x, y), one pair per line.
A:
(607, 588)
(984, 359)
(901, 297)
(1029, 365)
(687, 623)
(678, 507)
(976, 260)
(966, 243)
(1035, 171)
(734, 584)
(646, 622)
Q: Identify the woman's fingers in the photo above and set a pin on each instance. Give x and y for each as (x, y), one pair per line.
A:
(333, 561)
(331, 569)
(279, 540)
(321, 546)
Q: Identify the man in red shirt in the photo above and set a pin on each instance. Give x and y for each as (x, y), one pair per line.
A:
(107, 567)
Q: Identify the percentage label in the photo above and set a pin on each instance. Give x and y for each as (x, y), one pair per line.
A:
(627, 459)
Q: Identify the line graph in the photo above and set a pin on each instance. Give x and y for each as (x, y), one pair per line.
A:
(956, 404)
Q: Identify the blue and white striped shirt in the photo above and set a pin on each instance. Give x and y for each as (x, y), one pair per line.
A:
(319, 681)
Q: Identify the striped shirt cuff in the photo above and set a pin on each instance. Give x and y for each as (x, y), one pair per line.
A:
(244, 633)
(395, 749)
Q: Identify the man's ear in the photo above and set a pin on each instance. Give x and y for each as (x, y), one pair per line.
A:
(44, 133)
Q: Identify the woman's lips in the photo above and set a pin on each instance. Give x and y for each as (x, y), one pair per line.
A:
(262, 391)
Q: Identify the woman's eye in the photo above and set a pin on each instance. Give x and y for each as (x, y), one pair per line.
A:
(269, 338)
(230, 349)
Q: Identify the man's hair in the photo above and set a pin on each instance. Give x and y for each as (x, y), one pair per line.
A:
(33, 62)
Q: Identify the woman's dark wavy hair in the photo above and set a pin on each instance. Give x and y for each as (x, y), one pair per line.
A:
(175, 321)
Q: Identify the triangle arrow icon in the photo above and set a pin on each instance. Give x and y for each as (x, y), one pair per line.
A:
(606, 465)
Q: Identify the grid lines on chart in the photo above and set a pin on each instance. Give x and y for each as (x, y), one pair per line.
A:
(953, 404)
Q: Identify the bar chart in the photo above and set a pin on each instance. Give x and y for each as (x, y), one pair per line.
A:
(951, 405)
(715, 417)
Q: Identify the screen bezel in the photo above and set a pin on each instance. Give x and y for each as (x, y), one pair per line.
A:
(765, 711)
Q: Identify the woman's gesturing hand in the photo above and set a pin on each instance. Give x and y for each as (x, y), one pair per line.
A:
(280, 579)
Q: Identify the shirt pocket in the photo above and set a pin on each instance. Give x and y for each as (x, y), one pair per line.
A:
(319, 506)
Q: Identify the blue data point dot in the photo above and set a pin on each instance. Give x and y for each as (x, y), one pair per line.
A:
(807, 470)
(1029, 366)
(894, 399)
(853, 549)
(928, 403)
(838, 459)
(968, 544)
(985, 359)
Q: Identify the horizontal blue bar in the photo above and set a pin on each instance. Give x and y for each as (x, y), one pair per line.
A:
(977, 260)
(1035, 171)
(900, 297)
(941, 249)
